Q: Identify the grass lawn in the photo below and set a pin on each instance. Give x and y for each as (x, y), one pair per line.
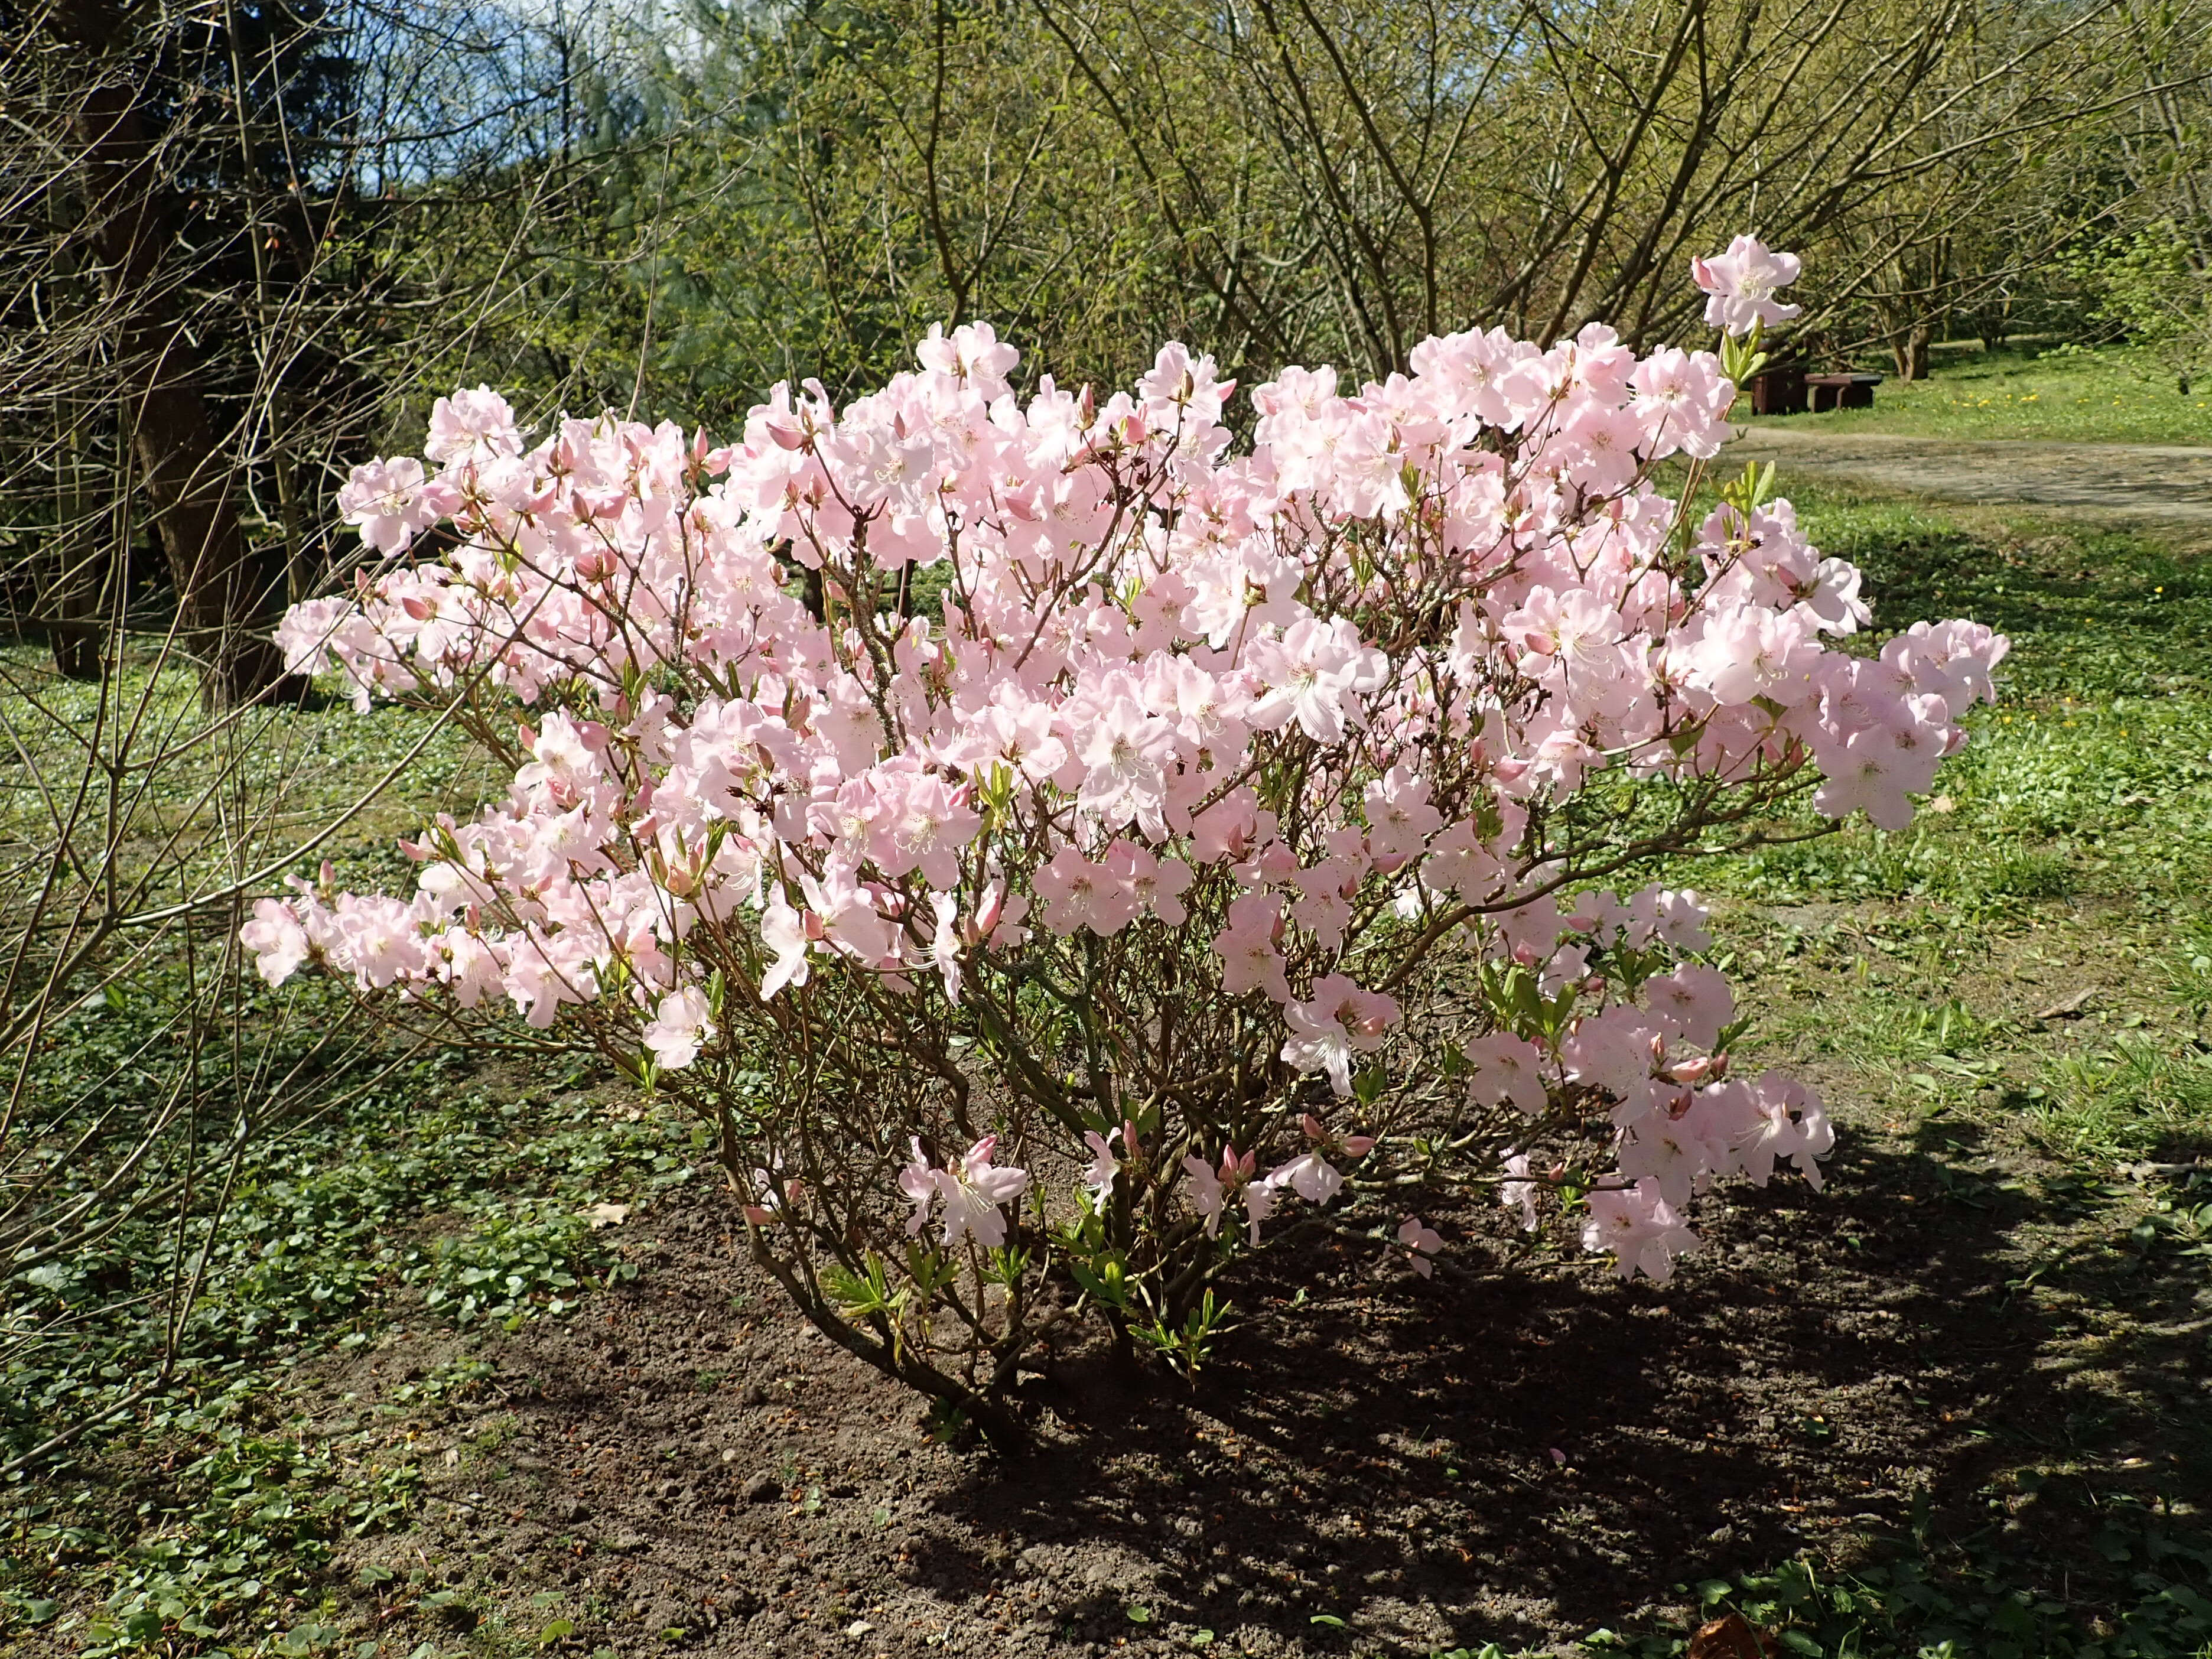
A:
(2110, 395)
(2004, 1006)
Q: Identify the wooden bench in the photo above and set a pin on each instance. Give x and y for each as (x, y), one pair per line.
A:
(1779, 391)
(1841, 390)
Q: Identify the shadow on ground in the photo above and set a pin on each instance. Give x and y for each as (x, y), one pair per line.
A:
(1398, 1465)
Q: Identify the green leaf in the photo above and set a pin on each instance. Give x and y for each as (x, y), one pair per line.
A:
(1106, 1284)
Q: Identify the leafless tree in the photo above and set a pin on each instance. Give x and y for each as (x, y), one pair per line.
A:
(210, 309)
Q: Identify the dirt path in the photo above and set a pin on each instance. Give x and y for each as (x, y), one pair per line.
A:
(2171, 483)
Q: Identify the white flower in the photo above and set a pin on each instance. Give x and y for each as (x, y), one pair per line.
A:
(1203, 1188)
(679, 1026)
(1310, 1176)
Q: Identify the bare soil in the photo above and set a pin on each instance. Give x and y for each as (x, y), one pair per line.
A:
(1516, 1458)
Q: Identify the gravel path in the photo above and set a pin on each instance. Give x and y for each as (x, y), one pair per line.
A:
(2169, 483)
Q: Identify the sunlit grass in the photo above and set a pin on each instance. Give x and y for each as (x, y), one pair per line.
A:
(2140, 1096)
(2109, 395)
(141, 766)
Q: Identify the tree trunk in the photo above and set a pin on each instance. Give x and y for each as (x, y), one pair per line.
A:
(1916, 352)
(226, 590)
(1908, 350)
(72, 606)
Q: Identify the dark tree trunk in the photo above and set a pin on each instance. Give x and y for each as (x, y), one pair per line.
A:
(71, 604)
(75, 627)
(226, 590)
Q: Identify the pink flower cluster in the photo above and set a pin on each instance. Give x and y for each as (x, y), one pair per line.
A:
(1306, 711)
(971, 1191)
(1660, 1069)
(1310, 1176)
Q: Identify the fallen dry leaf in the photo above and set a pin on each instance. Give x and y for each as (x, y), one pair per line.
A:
(607, 1215)
(2067, 1007)
(1731, 1638)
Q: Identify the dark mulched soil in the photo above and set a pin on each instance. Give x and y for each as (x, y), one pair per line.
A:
(1520, 1459)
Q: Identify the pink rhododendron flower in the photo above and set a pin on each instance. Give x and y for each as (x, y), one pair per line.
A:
(785, 933)
(971, 1192)
(390, 502)
(1399, 816)
(1310, 1176)
(1694, 1000)
(1676, 395)
(276, 940)
(1676, 1151)
(946, 944)
(1154, 886)
(471, 426)
(917, 1184)
(1098, 1175)
(1776, 1116)
(679, 1025)
(1640, 1227)
(1209, 1190)
(1421, 1243)
(1507, 1068)
(1249, 960)
(1338, 1021)
(1077, 893)
(974, 1189)
(1203, 1190)
(1314, 675)
(1259, 1204)
(1740, 285)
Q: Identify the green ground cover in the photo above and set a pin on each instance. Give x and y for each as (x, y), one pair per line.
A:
(2067, 395)
(447, 1199)
(391, 1185)
(1912, 976)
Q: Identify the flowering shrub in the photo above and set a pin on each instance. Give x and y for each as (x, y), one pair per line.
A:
(1058, 851)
